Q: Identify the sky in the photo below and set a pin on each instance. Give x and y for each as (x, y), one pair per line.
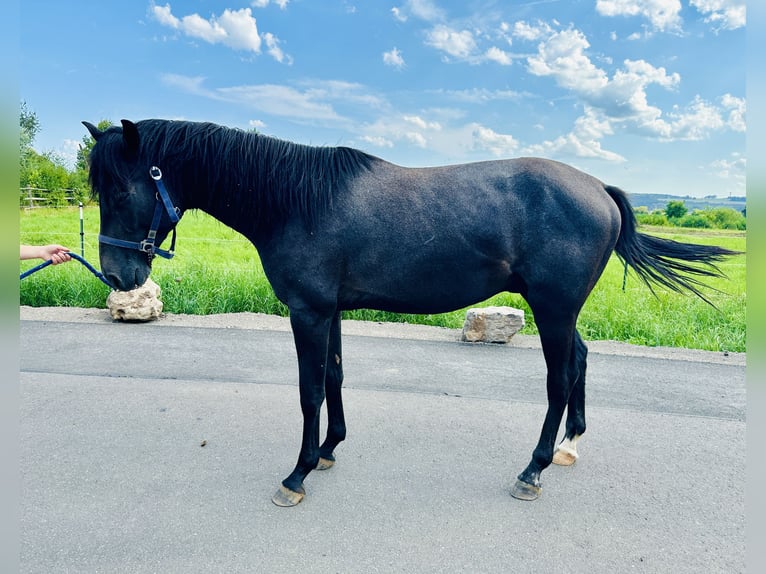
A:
(645, 95)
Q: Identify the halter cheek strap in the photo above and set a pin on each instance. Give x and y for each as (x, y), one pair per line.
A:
(164, 204)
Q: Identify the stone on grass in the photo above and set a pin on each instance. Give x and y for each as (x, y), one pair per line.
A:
(140, 304)
(492, 324)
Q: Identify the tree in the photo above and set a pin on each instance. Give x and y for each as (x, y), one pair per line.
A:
(45, 172)
(675, 209)
(29, 126)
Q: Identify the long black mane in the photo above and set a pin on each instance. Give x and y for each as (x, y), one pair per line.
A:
(247, 175)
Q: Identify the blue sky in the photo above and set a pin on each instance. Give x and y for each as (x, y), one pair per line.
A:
(646, 95)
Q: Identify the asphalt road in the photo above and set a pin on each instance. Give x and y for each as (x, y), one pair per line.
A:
(115, 477)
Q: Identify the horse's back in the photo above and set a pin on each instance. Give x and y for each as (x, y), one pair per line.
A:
(517, 197)
(435, 239)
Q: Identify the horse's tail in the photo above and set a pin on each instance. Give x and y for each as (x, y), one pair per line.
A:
(677, 266)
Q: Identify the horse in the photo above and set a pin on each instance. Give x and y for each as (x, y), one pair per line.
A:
(338, 229)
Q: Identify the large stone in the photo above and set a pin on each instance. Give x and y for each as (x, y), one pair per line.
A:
(140, 304)
(492, 324)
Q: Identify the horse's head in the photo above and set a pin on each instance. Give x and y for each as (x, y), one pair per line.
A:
(135, 217)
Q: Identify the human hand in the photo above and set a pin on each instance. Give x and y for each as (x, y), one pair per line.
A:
(55, 254)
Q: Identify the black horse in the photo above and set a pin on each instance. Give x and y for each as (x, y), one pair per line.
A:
(339, 229)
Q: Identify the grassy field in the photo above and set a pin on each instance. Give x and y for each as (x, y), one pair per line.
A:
(216, 270)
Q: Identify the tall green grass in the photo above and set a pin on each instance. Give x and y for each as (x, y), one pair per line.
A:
(216, 270)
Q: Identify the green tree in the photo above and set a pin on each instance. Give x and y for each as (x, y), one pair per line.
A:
(29, 126)
(47, 173)
(675, 209)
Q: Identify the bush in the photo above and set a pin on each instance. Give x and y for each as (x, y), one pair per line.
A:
(656, 217)
(710, 218)
(695, 220)
(675, 209)
(726, 218)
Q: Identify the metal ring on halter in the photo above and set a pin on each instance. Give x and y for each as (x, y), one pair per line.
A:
(155, 173)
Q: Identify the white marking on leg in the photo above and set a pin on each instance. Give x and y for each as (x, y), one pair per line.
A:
(566, 452)
(569, 446)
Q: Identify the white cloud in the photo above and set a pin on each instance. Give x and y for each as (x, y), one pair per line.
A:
(624, 96)
(736, 108)
(263, 3)
(393, 58)
(694, 123)
(67, 153)
(267, 98)
(497, 55)
(484, 138)
(391, 128)
(562, 55)
(730, 14)
(257, 124)
(462, 45)
(425, 10)
(459, 44)
(421, 123)
(398, 14)
(481, 95)
(733, 171)
(163, 15)
(619, 101)
(189, 84)
(416, 138)
(272, 45)
(528, 32)
(570, 144)
(378, 141)
(622, 99)
(308, 102)
(236, 29)
(736, 166)
(280, 101)
(582, 141)
(664, 15)
(340, 91)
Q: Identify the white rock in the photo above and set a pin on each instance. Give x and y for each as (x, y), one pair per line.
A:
(492, 324)
(140, 304)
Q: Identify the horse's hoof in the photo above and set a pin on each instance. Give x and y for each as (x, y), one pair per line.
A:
(525, 491)
(325, 463)
(286, 497)
(564, 457)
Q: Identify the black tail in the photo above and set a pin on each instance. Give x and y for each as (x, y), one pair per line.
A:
(662, 261)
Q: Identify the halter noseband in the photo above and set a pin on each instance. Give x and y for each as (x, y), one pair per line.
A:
(147, 245)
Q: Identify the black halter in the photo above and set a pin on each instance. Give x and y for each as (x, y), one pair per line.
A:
(163, 204)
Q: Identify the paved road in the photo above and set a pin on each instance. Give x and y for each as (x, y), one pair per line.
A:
(115, 478)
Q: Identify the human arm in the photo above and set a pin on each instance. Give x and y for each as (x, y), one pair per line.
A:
(54, 253)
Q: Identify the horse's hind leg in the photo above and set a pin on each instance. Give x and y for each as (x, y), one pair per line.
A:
(557, 334)
(566, 451)
(336, 422)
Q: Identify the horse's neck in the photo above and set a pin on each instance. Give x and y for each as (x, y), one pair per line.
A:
(226, 207)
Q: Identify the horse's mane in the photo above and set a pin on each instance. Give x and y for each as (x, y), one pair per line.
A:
(255, 177)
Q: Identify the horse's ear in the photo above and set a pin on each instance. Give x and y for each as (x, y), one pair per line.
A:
(130, 135)
(94, 131)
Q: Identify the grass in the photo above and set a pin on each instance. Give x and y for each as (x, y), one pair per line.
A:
(216, 270)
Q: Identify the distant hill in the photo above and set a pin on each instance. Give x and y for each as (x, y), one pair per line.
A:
(654, 201)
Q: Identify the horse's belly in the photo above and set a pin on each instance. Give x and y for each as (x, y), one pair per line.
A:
(423, 291)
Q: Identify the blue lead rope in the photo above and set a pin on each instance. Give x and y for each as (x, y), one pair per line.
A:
(90, 268)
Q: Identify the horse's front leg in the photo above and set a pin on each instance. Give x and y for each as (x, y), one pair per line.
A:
(336, 422)
(311, 332)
